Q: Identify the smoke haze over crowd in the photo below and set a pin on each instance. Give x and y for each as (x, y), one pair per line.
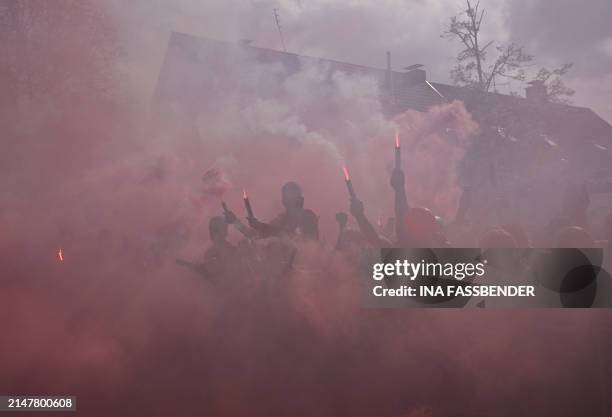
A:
(86, 169)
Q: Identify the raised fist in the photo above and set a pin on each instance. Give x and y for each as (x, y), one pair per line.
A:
(342, 219)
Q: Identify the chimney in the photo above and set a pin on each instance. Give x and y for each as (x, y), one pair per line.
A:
(536, 92)
(415, 76)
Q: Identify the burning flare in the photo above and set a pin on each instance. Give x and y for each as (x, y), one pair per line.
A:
(346, 173)
(349, 184)
(398, 152)
(247, 204)
(60, 255)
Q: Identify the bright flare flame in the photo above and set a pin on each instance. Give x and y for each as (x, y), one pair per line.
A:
(397, 139)
(346, 174)
(244, 194)
(60, 255)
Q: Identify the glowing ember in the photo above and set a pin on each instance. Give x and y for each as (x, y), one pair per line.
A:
(60, 255)
(397, 139)
(346, 174)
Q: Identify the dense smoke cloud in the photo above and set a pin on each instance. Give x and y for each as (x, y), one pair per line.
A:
(119, 325)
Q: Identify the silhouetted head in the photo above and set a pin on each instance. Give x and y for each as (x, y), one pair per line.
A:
(217, 228)
(497, 239)
(291, 195)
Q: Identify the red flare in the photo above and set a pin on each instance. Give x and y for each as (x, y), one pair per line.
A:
(346, 174)
(244, 194)
(60, 255)
(397, 139)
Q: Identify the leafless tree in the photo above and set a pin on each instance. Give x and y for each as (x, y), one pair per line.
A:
(510, 62)
(471, 69)
(556, 90)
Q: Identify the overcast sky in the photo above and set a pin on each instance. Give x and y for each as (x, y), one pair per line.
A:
(360, 31)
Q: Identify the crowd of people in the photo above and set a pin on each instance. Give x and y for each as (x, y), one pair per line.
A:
(271, 247)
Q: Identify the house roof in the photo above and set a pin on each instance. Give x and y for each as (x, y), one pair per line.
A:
(186, 48)
(517, 121)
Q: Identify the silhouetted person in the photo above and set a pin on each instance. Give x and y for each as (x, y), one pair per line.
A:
(217, 230)
(350, 241)
(231, 218)
(401, 204)
(365, 227)
(221, 259)
(415, 227)
(355, 239)
(309, 226)
(277, 260)
(296, 220)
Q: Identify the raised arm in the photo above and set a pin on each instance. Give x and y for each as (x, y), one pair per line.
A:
(365, 226)
(401, 202)
(230, 218)
(264, 230)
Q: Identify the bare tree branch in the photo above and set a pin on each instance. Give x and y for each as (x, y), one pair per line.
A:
(510, 61)
(556, 90)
